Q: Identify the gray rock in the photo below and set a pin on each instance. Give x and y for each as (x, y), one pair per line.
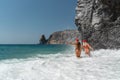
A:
(61, 37)
(42, 40)
(98, 21)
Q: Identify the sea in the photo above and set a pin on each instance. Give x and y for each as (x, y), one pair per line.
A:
(57, 62)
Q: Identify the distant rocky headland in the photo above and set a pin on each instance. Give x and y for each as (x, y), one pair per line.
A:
(60, 37)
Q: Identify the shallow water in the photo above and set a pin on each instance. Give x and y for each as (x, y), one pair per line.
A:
(103, 65)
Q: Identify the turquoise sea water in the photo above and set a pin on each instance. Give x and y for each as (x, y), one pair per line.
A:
(17, 51)
(57, 62)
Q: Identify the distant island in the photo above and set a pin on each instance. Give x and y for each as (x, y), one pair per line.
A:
(60, 37)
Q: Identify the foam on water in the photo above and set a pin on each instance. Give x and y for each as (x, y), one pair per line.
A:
(103, 65)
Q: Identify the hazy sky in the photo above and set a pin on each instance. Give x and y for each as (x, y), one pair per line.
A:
(23, 21)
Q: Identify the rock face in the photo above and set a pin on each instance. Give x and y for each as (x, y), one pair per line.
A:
(42, 40)
(61, 37)
(98, 21)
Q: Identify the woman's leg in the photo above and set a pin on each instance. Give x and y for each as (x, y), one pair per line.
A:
(77, 53)
(87, 51)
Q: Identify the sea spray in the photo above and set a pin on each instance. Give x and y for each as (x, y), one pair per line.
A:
(103, 65)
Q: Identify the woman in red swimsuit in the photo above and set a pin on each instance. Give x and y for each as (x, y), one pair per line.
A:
(86, 47)
(78, 47)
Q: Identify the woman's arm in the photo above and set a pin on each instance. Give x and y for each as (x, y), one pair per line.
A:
(70, 43)
(82, 47)
(90, 47)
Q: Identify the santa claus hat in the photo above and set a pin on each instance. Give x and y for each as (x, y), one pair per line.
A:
(77, 39)
(84, 40)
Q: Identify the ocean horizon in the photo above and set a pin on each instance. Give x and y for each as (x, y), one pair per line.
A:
(28, 50)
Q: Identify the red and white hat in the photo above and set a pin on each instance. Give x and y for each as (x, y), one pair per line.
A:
(84, 40)
(77, 39)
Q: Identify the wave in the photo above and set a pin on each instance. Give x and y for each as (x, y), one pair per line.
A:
(103, 65)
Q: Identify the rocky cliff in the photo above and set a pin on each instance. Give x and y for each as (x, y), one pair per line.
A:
(60, 37)
(42, 40)
(98, 21)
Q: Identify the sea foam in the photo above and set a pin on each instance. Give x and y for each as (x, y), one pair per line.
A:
(103, 65)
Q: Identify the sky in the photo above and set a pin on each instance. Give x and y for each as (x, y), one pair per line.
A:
(24, 21)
